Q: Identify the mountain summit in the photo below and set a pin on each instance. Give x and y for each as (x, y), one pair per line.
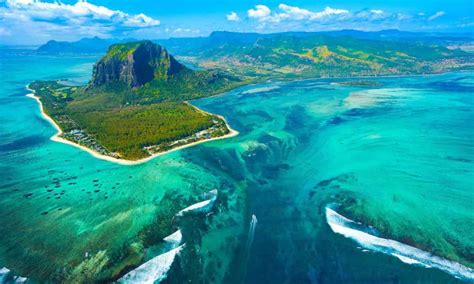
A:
(135, 64)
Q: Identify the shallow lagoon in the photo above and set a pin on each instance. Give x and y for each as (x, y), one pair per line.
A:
(397, 157)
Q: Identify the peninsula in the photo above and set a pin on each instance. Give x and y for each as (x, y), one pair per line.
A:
(135, 106)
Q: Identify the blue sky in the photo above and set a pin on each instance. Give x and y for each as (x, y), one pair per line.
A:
(36, 21)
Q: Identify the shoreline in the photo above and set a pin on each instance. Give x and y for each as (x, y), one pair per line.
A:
(56, 137)
(389, 76)
(282, 81)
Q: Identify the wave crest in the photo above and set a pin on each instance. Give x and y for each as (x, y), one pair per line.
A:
(407, 254)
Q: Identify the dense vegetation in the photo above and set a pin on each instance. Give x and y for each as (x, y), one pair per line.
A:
(125, 114)
(125, 130)
(128, 130)
(304, 55)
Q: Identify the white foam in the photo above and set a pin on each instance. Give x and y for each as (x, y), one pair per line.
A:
(7, 277)
(408, 254)
(201, 207)
(19, 279)
(3, 274)
(175, 238)
(406, 259)
(260, 90)
(153, 270)
(213, 193)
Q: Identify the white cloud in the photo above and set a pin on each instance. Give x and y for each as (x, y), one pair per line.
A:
(141, 20)
(296, 13)
(182, 30)
(46, 20)
(371, 15)
(185, 31)
(260, 12)
(291, 18)
(378, 12)
(328, 11)
(233, 17)
(436, 15)
(82, 11)
(403, 17)
(291, 13)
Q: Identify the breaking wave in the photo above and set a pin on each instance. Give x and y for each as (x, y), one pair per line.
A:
(201, 207)
(6, 276)
(153, 270)
(175, 238)
(156, 269)
(405, 253)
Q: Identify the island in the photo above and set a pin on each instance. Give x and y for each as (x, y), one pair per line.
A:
(135, 107)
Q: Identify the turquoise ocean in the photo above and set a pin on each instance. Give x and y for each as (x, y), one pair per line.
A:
(326, 183)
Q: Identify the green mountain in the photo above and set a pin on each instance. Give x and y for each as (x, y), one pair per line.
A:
(218, 39)
(135, 64)
(144, 72)
(134, 106)
(344, 53)
(83, 46)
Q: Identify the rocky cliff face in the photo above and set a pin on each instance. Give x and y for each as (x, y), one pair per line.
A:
(135, 64)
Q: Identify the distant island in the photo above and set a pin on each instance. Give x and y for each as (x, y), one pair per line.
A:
(135, 106)
(85, 45)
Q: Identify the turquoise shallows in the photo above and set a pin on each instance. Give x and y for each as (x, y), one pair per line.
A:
(397, 156)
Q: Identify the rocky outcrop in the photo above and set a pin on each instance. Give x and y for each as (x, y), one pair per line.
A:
(135, 64)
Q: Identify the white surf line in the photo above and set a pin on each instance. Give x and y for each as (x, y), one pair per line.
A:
(6, 276)
(407, 254)
(155, 269)
(175, 238)
(200, 207)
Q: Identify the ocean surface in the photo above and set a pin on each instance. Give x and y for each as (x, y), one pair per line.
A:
(327, 182)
